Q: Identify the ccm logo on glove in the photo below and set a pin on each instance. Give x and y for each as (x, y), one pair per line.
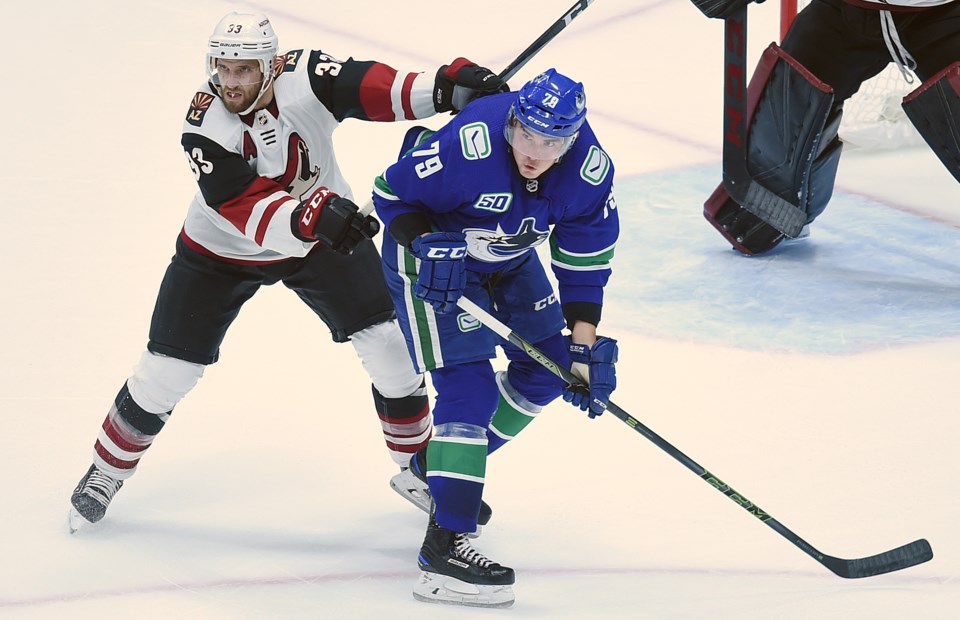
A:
(312, 208)
(333, 221)
(446, 253)
(442, 274)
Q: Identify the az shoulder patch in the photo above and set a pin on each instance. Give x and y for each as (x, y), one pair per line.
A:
(288, 62)
(198, 108)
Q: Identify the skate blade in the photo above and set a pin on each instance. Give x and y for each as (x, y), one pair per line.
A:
(434, 588)
(75, 521)
(412, 489)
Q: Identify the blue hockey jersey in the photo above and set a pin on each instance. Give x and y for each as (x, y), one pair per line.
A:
(463, 178)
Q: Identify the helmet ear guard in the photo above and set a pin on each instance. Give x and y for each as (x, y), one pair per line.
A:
(243, 36)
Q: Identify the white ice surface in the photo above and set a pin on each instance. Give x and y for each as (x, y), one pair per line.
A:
(820, 381)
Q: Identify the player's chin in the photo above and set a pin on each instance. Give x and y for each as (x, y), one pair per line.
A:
(235, 105)
(529, 171)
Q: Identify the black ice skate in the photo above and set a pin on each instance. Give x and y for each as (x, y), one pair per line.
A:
(411, 484)
(91, 497)
(455, 573)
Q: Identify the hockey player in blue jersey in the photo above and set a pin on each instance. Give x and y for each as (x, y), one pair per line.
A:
(465, 209)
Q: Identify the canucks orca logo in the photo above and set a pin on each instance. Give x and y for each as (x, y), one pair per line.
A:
(497, 245)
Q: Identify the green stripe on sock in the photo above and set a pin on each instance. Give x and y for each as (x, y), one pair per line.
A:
(446, 457)
(508, 420)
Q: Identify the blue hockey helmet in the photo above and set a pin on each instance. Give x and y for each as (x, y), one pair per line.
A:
(552, 106)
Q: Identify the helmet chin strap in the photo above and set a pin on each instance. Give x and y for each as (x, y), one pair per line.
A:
(267, 81)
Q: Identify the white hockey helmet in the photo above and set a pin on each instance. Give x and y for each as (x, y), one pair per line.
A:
(243, 36)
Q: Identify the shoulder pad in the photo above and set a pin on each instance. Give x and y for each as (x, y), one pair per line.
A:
(475, 142)
(198, 107)
(289, 61)
(595, 166)
(208, 117)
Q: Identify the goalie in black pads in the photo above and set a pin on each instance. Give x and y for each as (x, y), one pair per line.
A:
(796, 96)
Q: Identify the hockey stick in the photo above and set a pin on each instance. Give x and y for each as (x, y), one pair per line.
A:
(783, 215)
(911, 554)
(543, 39)
(525, 56)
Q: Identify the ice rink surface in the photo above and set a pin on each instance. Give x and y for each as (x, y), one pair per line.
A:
(820, 380)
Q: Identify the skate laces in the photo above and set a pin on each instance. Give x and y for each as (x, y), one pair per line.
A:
(101, 487)
(463, 548)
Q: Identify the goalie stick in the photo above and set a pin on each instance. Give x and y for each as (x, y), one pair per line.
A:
(783, 215)
(911, 554)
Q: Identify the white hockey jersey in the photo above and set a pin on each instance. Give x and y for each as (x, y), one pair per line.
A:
(893, 5)
(254, 170)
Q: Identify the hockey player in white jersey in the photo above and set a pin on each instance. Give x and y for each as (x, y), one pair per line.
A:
(273, 207)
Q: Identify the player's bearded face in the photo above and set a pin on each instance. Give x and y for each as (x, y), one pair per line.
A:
(240, 82)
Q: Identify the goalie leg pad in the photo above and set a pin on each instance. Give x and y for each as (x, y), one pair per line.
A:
(746, 232)
(793, 150)
(793, 147)
(934, 109)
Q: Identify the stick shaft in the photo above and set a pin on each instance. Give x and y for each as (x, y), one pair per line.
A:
(547, 36)
(911, 554)
(526, 55)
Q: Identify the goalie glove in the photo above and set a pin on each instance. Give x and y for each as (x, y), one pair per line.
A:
(722, 8)
(462, 81)
(442, 276)
(596, 365)
(333, 221)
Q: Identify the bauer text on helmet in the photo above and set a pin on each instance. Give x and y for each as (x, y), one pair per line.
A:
(242, 37)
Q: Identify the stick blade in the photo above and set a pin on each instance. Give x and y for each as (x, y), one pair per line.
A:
(911, 554)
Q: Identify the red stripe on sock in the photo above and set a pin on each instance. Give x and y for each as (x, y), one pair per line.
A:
(122, 442)
(113, 460)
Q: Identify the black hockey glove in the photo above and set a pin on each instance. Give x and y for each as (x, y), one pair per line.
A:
(461, 82)
(721, 8)
(333, 221)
